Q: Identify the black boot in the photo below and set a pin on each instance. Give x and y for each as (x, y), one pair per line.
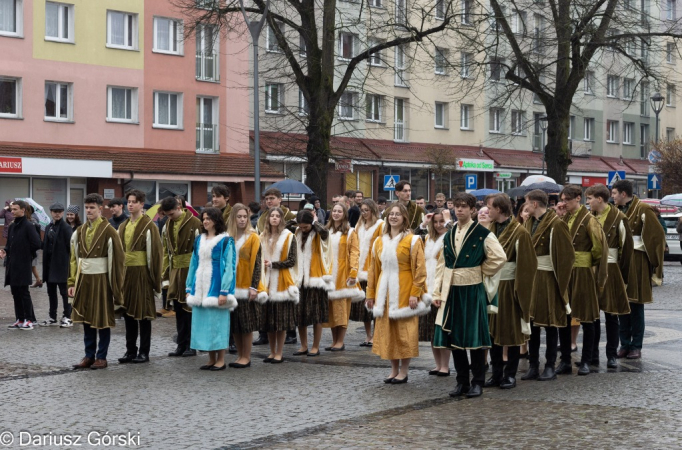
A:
(179, 350)
(564, 369)
(584, 369)
(459, 390)
(495, 379)
(612, 363)
(548, 374)
(532, 374)
(508, 383)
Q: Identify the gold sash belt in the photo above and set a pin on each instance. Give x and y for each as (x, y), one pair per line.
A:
(135, 259)
(583, 259)
(466, 276)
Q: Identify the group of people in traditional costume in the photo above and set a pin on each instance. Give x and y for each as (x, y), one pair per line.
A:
(462, 284)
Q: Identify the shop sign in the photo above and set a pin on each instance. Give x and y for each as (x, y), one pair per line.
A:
(591, 181)
(344, 165)
(109, 194)
(476, 165)
(10, 165)
(503, 175)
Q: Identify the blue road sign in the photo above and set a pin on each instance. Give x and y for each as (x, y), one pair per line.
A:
(471, 181)
(653, 181)
(654, 156)
(390, 181)
(615, 175)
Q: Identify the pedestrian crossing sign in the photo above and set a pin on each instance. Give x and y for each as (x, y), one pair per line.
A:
(615, 175)
(390, 181)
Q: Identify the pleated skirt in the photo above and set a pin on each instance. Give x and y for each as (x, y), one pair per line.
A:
(246, 318)
(278, 316)
(313, 307)
(427, 325)
(358, 312)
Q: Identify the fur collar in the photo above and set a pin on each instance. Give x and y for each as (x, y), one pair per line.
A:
(272, 275)
(365, 237)
(352, 292)
(432, 250)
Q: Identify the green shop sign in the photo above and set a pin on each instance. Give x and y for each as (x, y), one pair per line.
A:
(477, 165)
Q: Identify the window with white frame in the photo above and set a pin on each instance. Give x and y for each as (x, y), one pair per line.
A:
(440, 9)
(207, 125)
(399, 126)
(588, 129)
(167, 36)
(376, 58)
(465, 117)
(441, 116)
(670, 134)
(628, 132)
(122, 104)
(467, 10)
(670, 95)
(628, 88)
(670, 53)
(644, 107)
(374, 108)
(347, 45)
(303, 105)
(571, 127)
(612, 86)
(518, 22)
(302, 47)
(401, 12)
(207, 53)
(644, 50)
(400, 66)
(518, 121)
(467, 60)
(612, 131)
(376, 3)
(588, 87)
(347, 106)
(58, 101)
(168, 110)
(10, 97)
(122, 30)
(58, 22)
(274, 95)
(496, 69)
(11, 18)
(441, 58)
(630, 47)
(538, 28)
(671, 9)
(496, 120)
(271, 44)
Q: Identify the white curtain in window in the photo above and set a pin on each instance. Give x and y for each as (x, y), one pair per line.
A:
(51, 19)
(8, 16)
(163, 108)
(162, 34)
(118, 103)
(50, 100)
(117, 28)
(173, 109)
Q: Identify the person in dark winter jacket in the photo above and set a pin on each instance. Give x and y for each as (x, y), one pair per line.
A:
(56, 257)
(118, 215)
(23, 241)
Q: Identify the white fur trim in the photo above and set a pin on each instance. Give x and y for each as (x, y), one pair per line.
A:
(365, 237)
(305, 256)
(241, 293)
(262, 297)
(290, 294)
(568, 308)
(432, 250)
(193, 300)
(212, 302)
(204, 272)
(352, 293)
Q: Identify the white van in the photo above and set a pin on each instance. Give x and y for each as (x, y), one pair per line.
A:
(672, 239)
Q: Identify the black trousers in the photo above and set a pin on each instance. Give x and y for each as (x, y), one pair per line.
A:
(500, 369)
(565, 342)
(612, 336)
(164, 296)
(183, 324)
(23, 306)
(552, 338)
(144, 327)
(54, 300)
(462, 366)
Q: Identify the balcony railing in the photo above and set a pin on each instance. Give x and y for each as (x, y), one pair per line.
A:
(207, 66)
(399, 131)
(207, 138)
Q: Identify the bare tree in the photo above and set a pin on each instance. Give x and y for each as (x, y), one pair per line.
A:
(670, 165)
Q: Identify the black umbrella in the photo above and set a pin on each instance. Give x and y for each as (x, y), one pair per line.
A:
(550, 188)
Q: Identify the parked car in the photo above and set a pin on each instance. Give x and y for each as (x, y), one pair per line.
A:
(672, 238)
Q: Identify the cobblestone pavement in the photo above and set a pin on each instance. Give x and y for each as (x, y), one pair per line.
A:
(336, 400)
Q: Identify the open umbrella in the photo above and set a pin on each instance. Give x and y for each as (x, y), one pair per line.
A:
(550, 188)
(38, 211)
(672, 200)
(289, 186)
(516, 192)
(537, 179)
(481, 194)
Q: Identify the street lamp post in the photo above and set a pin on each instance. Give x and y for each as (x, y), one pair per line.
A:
(255, 28)
(543, 126)
(657, 105)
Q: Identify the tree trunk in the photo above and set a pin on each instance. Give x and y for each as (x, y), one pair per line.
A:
(318, 152)
(557, 152)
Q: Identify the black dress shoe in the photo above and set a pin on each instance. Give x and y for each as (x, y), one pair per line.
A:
(548, 374)
(328, 349)
(532, 374)
(262, 340)
(141, 358)
(216, 368)
(444, 374)
(564, 368)
(611, 363)
(267, 360)
(459, 390)
(389, 380)
(300, 353)
(189, 352)
(178, 351)
(290, 340)
(474, 391)
(397, 381)
(128, 357)
(206, 367)
(232, 349)
(338, 349)
(434, 372)
(235, 365)
(584, 369)
(491, 382)
(277, 361)
(508, 383)
(314, 354)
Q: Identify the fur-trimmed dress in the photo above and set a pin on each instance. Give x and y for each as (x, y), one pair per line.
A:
(432, 250)
(345, 253)
(246, 318)
(397, 271)
(366, 238)
(279, 311)
(314, 276)
(211, 274)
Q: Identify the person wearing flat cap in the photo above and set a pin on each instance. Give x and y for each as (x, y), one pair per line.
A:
(56, 257)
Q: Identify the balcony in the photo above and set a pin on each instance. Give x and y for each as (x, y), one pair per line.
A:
(207, 138)
(207, 66)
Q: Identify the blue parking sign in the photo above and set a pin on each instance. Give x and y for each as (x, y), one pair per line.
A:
(471, 182)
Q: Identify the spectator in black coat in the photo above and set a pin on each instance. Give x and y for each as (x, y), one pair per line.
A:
(56, 258)
(23, 241)
(118, 215)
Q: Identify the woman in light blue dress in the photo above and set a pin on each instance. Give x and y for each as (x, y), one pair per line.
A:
(210, 289)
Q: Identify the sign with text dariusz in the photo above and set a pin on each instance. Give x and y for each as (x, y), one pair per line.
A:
(476, 165)
(10, 165)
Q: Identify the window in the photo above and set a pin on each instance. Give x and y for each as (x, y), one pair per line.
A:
(496, 69)
(467, 60)
(10, 97)
(58, 102)
(400, 63)
(440, 9)
(571, 127)
(374, 108)
(630, 47)
(273, 98)
(670, 9)
(302, 47)
(347, 106)
(167, 36)
(399, 132)
(467, 6)
(518, 22)
(401, 12)
(670, 134)
(11, 17)
(588, 127)
(587, 82)
(496, 120)
(207, 125)
(303, 106)
(670, 95)
(441, 115)
(670, 53)
(612, 131)
(538, 27)
(376, 3)
(465, 117)
(207, 60)
(122, 30)
(58, 22)
(347, 45)
(644, 99)
(441, 59)
(167, 110)
(517, 122)
(643, 140)
(612, 85)
(376, 58)
(628, 88)
(122, 104)
(271, 44)
(628, 131)
(644, 50)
